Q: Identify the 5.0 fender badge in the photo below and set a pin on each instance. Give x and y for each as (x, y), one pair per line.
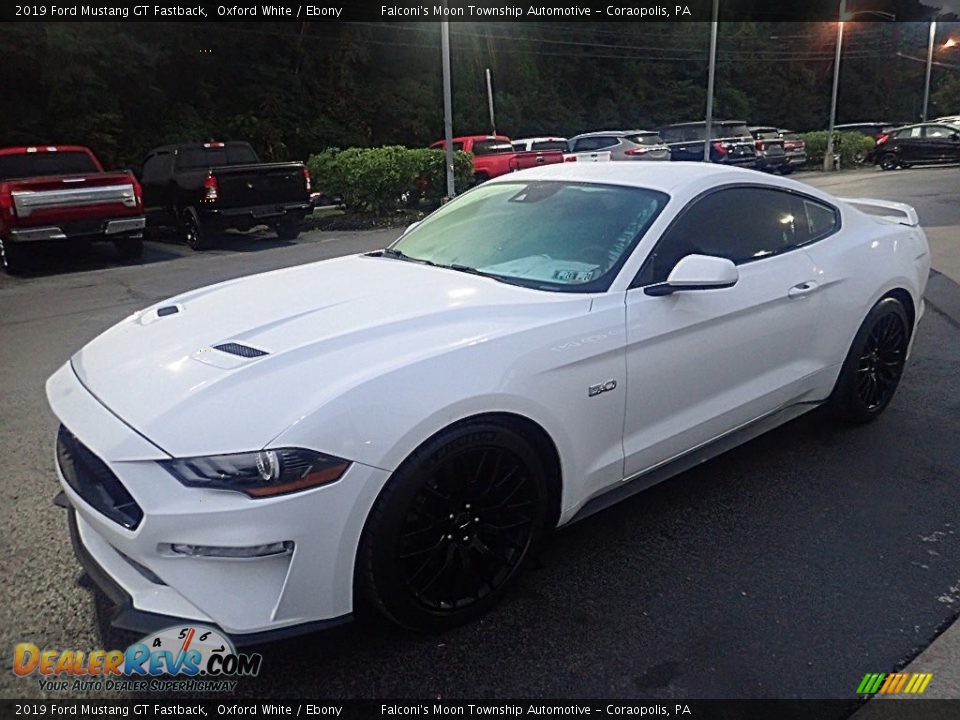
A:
(601, 388)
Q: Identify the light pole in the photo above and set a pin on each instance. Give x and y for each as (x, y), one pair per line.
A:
(493, 122)
(926, 79)
(828, 155)
(711, 76)
(447, 105)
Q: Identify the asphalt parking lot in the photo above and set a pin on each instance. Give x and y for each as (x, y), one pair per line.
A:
(789, 567)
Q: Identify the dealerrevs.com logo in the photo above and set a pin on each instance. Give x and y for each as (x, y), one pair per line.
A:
(184, 658)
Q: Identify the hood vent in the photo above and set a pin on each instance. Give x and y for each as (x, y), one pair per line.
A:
(244, 351)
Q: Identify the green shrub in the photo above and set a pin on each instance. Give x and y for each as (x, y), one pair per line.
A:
(852, 147)
(431, 180)
(380, 180)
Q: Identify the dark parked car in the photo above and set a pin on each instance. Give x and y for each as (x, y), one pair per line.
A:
(730, 144)
(204, 188)
(771, 153)
(795, 147)
(925, 143)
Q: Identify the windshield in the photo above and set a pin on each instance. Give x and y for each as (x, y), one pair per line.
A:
(549, 235)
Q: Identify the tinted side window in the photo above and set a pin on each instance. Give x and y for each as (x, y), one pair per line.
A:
(240, 155)
(740, 224)
(939, 131)
(491, 147)
(913, 132)
(550, 145)
(588, 144)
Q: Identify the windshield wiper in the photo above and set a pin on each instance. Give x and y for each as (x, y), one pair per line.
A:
(400, 255)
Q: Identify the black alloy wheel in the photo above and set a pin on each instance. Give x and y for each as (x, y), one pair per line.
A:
(453, 527)
(889, 161)
(882, 361)
(874, 365)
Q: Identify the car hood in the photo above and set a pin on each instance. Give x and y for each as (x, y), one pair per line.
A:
(306, 335)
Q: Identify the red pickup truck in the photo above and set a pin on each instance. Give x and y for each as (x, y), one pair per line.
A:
(62, 193)
(493, 155)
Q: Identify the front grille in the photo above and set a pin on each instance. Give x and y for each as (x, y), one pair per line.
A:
(241, 350)
(95, 482)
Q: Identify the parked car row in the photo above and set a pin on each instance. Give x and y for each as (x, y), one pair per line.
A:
(730, 142)
(61, 193)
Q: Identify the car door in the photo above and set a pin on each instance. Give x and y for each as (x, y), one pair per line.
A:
(940, 143)
(701, 363)
(910, 144)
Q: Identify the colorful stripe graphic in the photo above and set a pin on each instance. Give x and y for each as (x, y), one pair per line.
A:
(894, 683)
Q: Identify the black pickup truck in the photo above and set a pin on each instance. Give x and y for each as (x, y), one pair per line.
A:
(202, 189)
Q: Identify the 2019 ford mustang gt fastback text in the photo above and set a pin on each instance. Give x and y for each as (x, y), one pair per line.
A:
(400, 429)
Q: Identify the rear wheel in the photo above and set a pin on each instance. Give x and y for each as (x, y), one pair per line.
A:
(193, 231)
(453, 527)
(13, 256)
(290, 228)
(129, 249)
(888, 161)
(871, 372)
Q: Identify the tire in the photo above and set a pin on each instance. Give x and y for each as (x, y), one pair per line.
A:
(193, 231)
(786, 169)
(12, 257)
(889, 161)
(129, 249)
(874, 365)
(453, 527)
(290, 228)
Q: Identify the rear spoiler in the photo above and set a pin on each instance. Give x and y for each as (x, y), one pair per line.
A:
(909, 215)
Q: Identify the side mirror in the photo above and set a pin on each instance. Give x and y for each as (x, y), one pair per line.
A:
(697, 272)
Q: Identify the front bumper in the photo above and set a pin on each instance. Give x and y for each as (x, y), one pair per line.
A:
(251, 599)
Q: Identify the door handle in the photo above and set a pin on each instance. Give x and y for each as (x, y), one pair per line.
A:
(802, 289)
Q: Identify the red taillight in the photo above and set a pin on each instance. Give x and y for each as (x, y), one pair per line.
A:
(570, 158)
(636, 151)
(883, 138)
(720, 147)
(759, 144)
(306, 177)
(137, 191)
(211, 189)
(213, 145)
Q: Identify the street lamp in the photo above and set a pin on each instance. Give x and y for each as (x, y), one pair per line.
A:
(844, 15)
(926, 78)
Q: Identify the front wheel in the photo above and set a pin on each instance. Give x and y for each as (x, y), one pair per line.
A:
(871, 372)
(453, 527)
(889, 161)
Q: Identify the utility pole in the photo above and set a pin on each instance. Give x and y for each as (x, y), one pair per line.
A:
(711, 76)
(447, 104)
(493, 123)
(828, 155)
(926, 81)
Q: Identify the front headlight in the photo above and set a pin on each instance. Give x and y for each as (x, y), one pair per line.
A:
(259, 474)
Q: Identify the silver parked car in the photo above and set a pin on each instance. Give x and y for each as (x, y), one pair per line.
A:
(621, 145)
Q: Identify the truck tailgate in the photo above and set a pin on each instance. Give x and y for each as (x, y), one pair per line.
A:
(267, 184)
(534, 158)
(37, 201)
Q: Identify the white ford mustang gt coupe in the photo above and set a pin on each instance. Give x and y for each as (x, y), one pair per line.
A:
(400, 429)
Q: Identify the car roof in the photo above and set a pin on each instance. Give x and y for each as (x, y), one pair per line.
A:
(621, 133)
(704, 122)
(665, 177)
(42, 149)
(545, 138)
